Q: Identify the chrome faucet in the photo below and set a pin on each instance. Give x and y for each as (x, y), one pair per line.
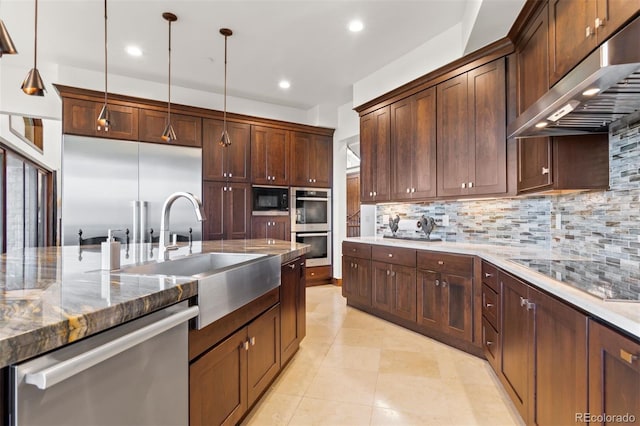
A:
(164, 221)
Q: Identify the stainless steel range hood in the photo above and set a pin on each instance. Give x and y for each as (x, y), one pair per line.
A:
(601, 89)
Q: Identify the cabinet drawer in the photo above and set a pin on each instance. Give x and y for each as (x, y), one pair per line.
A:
(318, 273)
(442, 262)
(490, 276)
(395, 255)
(490, 342)
(490, 308)
(356, 250)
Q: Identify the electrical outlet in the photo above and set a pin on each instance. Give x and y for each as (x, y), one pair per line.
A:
(445, 220)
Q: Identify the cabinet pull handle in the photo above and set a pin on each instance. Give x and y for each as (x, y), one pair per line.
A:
(388, 272)
(437, 283)
(230, 175)
(488, 305)
(390, 254)
(252, 341)
(470, 184)
(245, 345)
(588, 31)
(354, 250)
(370, 194)
(292, 266)
(599, 23)
(444, 284)
(393, 274)
(523, 301)
(488, 343)
(408, 190)
(464, 185)
(224, 174)
(487, 275)
(545, 170)
(375, 193)
(628, 356)
(355, 265)
(301, 264)
(440, 262)
(413, 190)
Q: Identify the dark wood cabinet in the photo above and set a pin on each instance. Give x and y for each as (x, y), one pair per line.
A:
(532, 61)
(230, 163)
(356, 273)
(538, 334)
(614, 375)
(319, 275)
(375, 165)
(471, 132)
(269, 155)
(393, 281)
(613, 14)
(228, 210)
(311, 160)
(292, 308)
(445, 294)
(227, 380)
(413, 147)
(151, 124)
(79, 118)
(563, 163)
(271, 227)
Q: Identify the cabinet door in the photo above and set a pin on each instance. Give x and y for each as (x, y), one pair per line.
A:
(571, 35)
(124, 122)
(229, 163)
(263, 362)
(321, 161)
(453, 152)
(357, 280)
(218, 384)
(367, 157)
(259, 147)
(423, 162)
(429, 299)
(532, 57)
(614, 373)
(300, 159)
(402, 149)
(213, 198)
(269, 155)
(152, 123)
(487, 129)
(534, 164)
(382, 166)
(403, 292)
(457, 319)
(516, 333)
(271, 227)
(560, 340)
(289, 309)
(381, 286)
(79, 117)
(611, 14)
(239, 213)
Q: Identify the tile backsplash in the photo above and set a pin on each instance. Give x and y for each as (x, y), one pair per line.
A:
(601, 225)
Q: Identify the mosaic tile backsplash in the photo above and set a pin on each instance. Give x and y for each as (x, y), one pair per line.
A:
(602, 225)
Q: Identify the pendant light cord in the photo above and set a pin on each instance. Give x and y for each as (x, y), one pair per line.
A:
(225, 84)
(35, 40)
(169, 105)
(105, 52)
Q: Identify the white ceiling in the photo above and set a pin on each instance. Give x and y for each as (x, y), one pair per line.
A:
(304, 41)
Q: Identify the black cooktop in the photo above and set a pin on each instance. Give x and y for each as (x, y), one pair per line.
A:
(603, 280)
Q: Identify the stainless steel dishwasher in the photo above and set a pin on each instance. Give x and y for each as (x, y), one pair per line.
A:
(133, 374)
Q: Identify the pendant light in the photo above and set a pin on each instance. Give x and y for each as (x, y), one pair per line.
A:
(224, 138)
(104, 118)
(6, 44)
(33, 84)
(169, 134)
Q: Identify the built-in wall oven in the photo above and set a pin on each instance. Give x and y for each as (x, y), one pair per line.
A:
(320, 242)
(310, 209)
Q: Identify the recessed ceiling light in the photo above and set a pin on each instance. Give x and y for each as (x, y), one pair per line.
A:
(284, 84)
(591, 92)
(356, 26)
(134, 50)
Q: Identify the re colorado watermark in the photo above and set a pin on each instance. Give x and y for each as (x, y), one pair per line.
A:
(605, 418)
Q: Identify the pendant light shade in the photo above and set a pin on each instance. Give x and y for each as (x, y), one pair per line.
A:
(169, 134)
(104, 119)
(6, 44)
(33, 84)
(224, 138)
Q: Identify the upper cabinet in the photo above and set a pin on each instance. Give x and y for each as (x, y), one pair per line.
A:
(375, 137)
(311, 160)
(269, 155)
(229, 163)
(413, 147)
(79, 118)
(576, 27)
(152, 123)
(471, 132)
(532, 62)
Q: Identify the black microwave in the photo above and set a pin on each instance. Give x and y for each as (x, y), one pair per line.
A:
(270, 200)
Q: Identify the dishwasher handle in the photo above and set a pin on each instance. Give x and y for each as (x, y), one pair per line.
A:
(57, 373)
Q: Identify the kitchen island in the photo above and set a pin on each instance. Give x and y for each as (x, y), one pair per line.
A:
(57, 295)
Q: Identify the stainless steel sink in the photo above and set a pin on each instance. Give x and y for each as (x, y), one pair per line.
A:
(226, 281)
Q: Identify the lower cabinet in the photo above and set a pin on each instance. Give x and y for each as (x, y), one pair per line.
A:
(394, 289)
(614, 376)
(544, 354)
(229, 378)
(292, 307)
(271, 227)
(356, 280)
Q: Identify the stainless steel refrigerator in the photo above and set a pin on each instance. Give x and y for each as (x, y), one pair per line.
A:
(112, 184)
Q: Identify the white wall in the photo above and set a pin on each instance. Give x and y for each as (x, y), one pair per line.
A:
(433, 54)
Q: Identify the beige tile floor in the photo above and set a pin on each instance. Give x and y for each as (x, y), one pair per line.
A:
(355, 369)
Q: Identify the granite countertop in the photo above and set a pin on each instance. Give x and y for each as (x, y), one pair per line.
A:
(623, 315)
(56, 295)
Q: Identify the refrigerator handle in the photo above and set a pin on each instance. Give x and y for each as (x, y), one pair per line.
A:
(143, 221)
(136, 219)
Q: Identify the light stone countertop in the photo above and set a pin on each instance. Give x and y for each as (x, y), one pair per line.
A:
(623, 315)
(53, 296)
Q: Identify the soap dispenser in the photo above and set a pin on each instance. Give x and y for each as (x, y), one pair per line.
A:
(110, 252)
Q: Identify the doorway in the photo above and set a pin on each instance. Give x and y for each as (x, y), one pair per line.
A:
(353, 205)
